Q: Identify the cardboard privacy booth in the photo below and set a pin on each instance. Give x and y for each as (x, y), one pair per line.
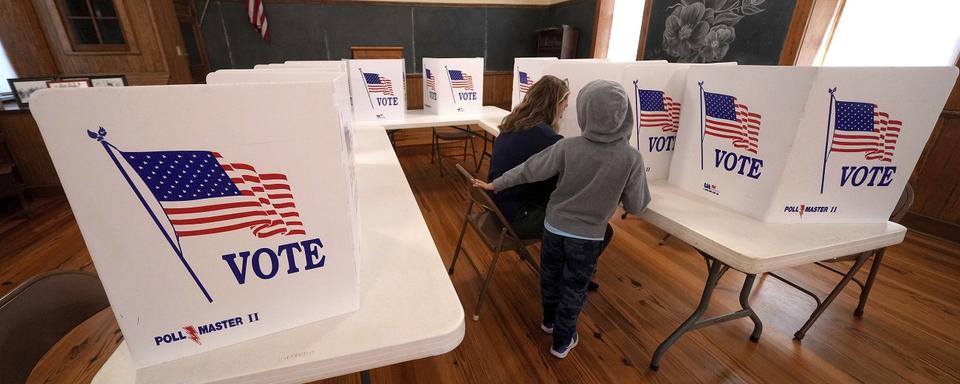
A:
(656, 96)
(526, 72)
(806, 144)
(378, 88)
(452, 86)
(301, 75)
(578, 73)
(214, 213)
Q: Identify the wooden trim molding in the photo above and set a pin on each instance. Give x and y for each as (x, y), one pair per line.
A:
(932, 226)
(642, 44)
(819, 32)
(798, 26)
(602, 24)
(49, 11)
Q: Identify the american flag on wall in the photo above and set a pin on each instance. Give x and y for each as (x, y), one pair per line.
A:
(525, 81)
(377, 83)
(861, 127)
(202, 194)
(258, 18)
(461, 80)
(657, 110)
(727, 118)
(431, 81)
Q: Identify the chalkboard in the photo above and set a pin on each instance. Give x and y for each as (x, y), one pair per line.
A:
(311, 30)
(706, 31)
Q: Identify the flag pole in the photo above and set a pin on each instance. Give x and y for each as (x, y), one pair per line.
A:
(636, 111)
(107, 146)
(450, 83)
(701, 124)
(366, 87)
(826, 142)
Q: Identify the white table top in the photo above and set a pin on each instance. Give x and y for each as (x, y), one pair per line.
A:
(753, 246)
(408, 307)
(488, 119)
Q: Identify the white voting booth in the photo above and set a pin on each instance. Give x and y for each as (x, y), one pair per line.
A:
(656, 96)
(198, 205)
(806, 144)
(378, 88)
(452, 86)
(580, 72)
(526, 72)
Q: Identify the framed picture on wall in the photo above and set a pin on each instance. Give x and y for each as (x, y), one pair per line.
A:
(22, 88)
(710, 31)
(69, 83)
(108, 81)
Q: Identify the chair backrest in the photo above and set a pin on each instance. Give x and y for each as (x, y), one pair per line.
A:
(903, 205)
(482, 199)
(39, 312)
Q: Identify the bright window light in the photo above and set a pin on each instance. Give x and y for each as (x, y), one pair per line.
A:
(6, 71)
(896, 33)
(625, 30)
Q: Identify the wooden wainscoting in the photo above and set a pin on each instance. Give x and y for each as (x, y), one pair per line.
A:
(29, 152)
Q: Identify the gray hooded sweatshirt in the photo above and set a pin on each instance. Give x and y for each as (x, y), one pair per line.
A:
(597, 170)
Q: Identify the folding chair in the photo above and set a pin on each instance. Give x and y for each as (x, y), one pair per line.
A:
(444, 137)
(493, 228)
(903, 205)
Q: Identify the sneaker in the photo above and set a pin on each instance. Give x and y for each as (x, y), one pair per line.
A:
(562, 353)
(548, 329)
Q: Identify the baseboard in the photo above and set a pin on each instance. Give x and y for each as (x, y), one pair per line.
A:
(45, 191)
(932, 226)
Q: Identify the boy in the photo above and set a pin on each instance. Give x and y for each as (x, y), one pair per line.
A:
(597, 171)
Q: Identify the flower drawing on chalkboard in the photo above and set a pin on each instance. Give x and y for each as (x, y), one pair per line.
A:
(701, 31)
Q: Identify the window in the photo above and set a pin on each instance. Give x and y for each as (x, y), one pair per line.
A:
(896, 33)
(92, 25)
(625, 30)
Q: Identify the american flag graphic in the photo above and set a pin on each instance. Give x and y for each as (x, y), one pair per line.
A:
(461, 80)
(378, 84)
(861, 127)
(525, 81)
(202, 194)
(431, 82)
(727, 118)
(657, 110)
(258, 18)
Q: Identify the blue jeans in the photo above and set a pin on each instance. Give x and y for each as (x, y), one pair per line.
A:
(566, 267)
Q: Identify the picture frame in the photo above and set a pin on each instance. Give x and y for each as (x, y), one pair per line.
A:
(99, 81)
(23, 87)
(70, 83)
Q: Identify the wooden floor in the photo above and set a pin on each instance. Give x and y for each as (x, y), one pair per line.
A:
(909, 333)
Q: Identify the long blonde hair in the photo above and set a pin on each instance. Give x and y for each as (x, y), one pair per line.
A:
(539, 106)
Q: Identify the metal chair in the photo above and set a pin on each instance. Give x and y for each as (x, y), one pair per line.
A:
(444, 137)
(899, 211)
(493, 229)
(39, 312)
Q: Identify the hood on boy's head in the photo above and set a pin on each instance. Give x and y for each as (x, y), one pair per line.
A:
(603, 112)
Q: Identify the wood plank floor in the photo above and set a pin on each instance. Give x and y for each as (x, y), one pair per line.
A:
(909, 333)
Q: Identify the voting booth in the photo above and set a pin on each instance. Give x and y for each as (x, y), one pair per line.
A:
(806, 144)
(526, 72)
(214, 214)
(378, 89)
(580, 72)
(452, 86)
(656, 96)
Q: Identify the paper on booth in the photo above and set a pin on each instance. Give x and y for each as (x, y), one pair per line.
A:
(656, 97)
(580, 72)
(861, 135)
(452, 86)
(764, 138)
(270, 246)
(378, 89)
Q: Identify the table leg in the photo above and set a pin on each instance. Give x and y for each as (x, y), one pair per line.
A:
(861, 259)
(365, 377)
(694, 321)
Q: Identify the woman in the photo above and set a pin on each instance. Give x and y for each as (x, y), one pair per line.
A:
(529, 129)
